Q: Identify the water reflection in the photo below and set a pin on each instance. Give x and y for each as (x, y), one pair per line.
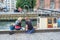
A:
(5, 25)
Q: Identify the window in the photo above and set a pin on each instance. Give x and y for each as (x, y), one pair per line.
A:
(49, 21)
(45, 15)
(39, 14)
(8, 0)
(59, 4)
(46, 12)
(54, 20)
(38, 19)
(52, 4)
(41, 4)
(1, 1)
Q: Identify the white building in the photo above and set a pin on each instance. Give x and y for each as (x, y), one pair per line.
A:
(10, 4)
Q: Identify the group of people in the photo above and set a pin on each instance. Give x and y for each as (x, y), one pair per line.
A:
(17, 25)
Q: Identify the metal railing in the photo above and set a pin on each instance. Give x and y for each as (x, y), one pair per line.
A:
(43, 11)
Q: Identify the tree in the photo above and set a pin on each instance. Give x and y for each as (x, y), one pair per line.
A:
(26, 4)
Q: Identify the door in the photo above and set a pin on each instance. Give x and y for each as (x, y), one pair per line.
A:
(43, 23)
(50, 23)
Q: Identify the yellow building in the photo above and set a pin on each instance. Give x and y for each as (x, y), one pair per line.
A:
(47, 21)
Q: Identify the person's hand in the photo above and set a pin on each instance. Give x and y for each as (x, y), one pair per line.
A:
(26, 29)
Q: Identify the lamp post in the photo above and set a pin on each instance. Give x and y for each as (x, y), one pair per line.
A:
(26, 10)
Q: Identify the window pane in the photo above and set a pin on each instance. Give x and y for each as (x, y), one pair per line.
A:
(49, 21)
(54, 20)
(59, 5)
(52, 4)
(38, 20)
(41, 4)
(1, 1)
(45, 15)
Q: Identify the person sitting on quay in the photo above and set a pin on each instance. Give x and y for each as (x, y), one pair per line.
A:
(29, 26)
(17, 24)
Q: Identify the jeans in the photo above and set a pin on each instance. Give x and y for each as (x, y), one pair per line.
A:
(30, 31)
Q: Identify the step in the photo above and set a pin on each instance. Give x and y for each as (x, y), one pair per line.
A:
(37, 30)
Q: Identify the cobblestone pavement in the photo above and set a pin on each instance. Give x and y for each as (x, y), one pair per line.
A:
(35, 36)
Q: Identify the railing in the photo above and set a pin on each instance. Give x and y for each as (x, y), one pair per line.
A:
(39, 11)
(54, 13)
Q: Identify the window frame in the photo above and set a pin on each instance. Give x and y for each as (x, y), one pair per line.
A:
(41, 2)
(52, 4)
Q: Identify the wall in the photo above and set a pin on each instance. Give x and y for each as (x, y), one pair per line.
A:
(43, 23)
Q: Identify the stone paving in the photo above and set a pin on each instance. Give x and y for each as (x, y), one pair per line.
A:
(34, 36)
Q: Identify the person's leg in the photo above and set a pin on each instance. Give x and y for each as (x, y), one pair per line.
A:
(12, 27)
(32, 31)
(11, 32)
(27, 31)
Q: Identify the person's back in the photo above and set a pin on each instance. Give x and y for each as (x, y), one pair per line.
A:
(18, 23)
(30, 27)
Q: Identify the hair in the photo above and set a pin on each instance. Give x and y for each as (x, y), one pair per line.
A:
(27, 18)
(20, 18)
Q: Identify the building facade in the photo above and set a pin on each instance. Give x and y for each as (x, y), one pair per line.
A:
(10, 5)
(45, 4)
(48, 4)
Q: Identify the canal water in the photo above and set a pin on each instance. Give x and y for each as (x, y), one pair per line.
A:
(6, 24)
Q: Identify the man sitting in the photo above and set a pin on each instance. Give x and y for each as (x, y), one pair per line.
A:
(29, 26)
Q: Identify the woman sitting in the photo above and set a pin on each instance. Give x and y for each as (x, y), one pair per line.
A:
(17, 24)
